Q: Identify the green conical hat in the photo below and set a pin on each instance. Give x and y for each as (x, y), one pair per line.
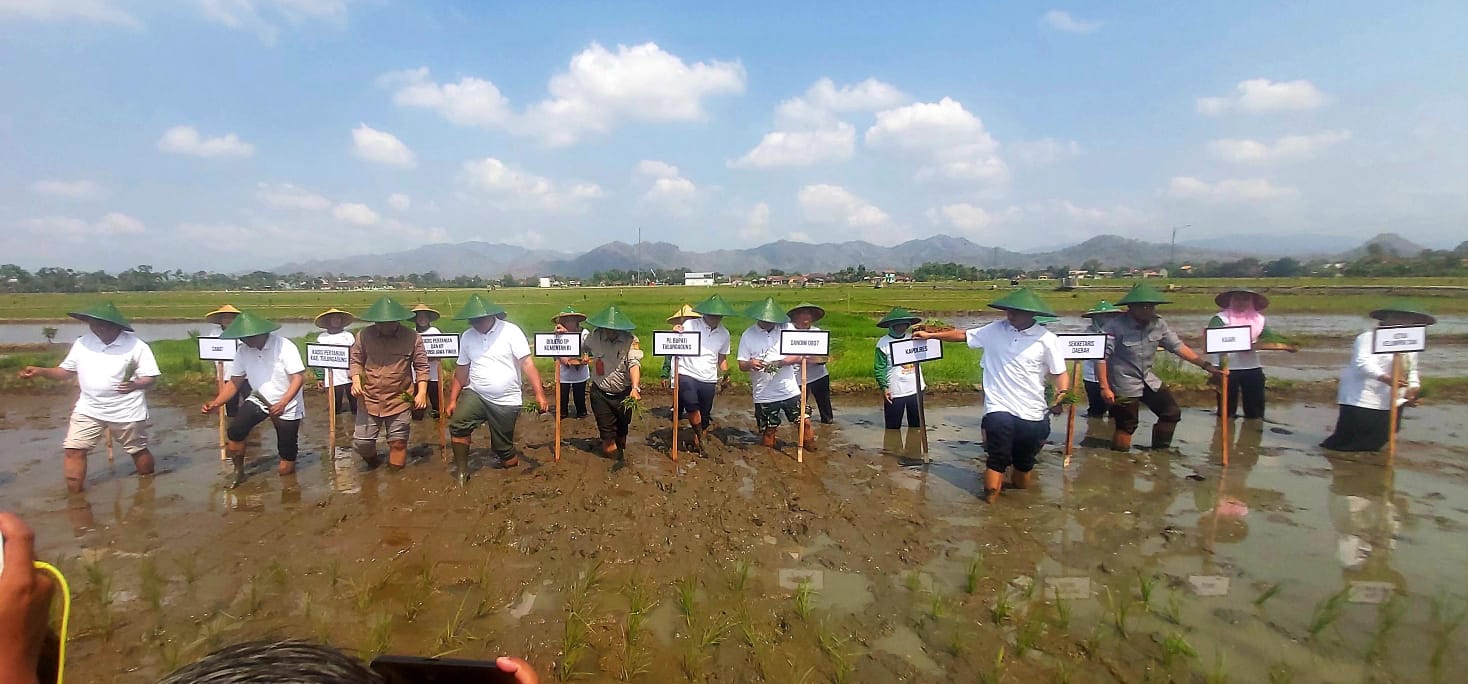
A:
(817, 313)
(478, 307)
(1023, 299)
(715, 306)
(568, 312)
(1104, 307)
(1260, 301)
(103, 311)
(1405, 307)
(611, 318)
(1046, 320)
(386, 310)
(899, 315)
(248, 325)
(1142, 293)
(767, 311)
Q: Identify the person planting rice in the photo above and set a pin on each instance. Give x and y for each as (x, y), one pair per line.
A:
(771, 375)
(384, 361)
(1365, 393)
(335, 322)
(272, 365)
(1019, 354)
(616, 377)
(423, 318)
(1246, 371)
(494, 365)
(1099, 316)
(699, 376)
(817, 378)
(222, 317)
(575, 371)
(112, 368)
(899, 382)
(1127, 378)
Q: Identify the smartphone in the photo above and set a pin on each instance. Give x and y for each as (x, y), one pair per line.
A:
(415, 670)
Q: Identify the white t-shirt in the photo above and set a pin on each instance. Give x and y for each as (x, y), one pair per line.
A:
(714, 342)
(1015, 364)
(575, 374)
(813, 371)
(339, 376)
(758, 344)
(494, 362)
(99, 369)
(902, 381)
(433, 364)
(269, 371)
(1359, 384)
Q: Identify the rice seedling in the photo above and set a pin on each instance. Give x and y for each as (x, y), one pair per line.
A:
(686, 593)
(1119, 610)
(635, 658)
(804, 599)
(1327, 611)
(307, 606)
(277, 575)
(957, 639)
(1092, 644)
(1264, 596)
(1174, 609)
(1175, 646)
(584, 587)
(531, 407)
(253, 599)
(1002, 608)
(380, 638)
(937, 606)
(365, 588)
(1446, 621)
(420, 594)
(914, 581)
(1027, 636)
(1145, 584)
(1219, 673)
(1281, 673)
(636, 410)
(834, 646)
(757, 642)
(101, 585)
(451, 639)
(170, 654)
(333, 572)
(575, 642)
(152, 583)
(188, 565)
(739, 579)
(996, 671)
(1062, 614)
(1389, 615)
(974, 573)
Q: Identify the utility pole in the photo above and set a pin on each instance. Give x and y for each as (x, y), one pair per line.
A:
(1172, 253)
(637, 255)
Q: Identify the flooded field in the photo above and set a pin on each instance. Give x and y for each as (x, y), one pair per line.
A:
(863, 564)
(30, 333)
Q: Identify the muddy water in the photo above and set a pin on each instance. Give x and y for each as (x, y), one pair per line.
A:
(542, 560)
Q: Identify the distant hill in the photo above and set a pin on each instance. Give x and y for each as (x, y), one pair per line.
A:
(1268, 246)
(487, 259)
(1391, 243)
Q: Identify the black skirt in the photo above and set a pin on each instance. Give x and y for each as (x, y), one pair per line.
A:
(1360, 429)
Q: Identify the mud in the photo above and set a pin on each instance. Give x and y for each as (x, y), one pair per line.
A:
(867, 562)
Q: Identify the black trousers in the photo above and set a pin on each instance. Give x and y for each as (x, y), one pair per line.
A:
(695, 395)
(573, 390)
(893, 411)
(1246, 384)
(432, 400)
(612, 417)
(1361, 429)
(1095, 405)
(345, 402)
(820, 393)
(1126, 412)
(287, 432)
(242, 392)
(1011, 441)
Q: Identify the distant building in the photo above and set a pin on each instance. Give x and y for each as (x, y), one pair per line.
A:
(545, 282)
(698, 278)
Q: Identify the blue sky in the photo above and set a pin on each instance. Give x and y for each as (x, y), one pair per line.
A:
(241, 134)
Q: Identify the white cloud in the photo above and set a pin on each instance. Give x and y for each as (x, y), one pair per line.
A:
(355, 213)
(657, 169)
(809, 131)
(399, 201)
(963, 216)
(670, 192)
(1043, 151)
(512, 188)
(1061, 20)
(264, 17)
(1246, 190)
(381, 147)
(599, 90)
(1261, 95)
(186, 140)
(833, 204)
(288, 196)
(950, 141)
(756, 227)
(83, 190)
(99, 11)
(799, 236)
(76, 230)
(1288, 148)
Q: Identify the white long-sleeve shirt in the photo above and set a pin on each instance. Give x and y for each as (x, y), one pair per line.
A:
(1360, 383)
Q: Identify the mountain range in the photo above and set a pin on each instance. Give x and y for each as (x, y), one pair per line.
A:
(492, 260)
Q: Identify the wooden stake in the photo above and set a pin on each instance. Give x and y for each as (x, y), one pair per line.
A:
(1391, 439)
(331, 409)
(675, 409)
(443, 420)
(557, 372)
(107, 434)
(800, 431)
(219, 376)
(1223, 405)
(922, 414)
(1070, 421)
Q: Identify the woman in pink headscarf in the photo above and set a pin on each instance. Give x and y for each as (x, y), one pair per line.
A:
(1245, 372)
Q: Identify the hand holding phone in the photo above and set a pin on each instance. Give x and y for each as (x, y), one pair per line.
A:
(415, 670)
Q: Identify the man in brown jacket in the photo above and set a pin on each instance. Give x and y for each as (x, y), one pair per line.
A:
(384, 360)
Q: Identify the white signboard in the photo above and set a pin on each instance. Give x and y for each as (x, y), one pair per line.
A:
(903, 352)
(1399, 338)
(805, 342)
(328, 356)
(670, 343)
(1084, 346)
(1226, 340)
(441, 346)
(215, 349)
(1370, 592)
(558, 344)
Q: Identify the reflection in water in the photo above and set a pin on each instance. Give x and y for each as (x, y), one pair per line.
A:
(905, 444)
(1367, 515)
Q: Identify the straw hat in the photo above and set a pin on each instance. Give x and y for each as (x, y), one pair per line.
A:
(817, 313)
(1222, 300)
(683, 314)
(334, 312)
(433, 313)
(103, 311)
(1405, 308)
(569, 312)
(215, 315)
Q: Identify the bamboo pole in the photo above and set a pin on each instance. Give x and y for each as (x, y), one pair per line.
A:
(1223, 420)
(800, 431)
(219, 377)
(107, 434)
(443, 420)
(331, 409)
(675, 409)
(1391, 439)
(557, 372)
(1070, 420)
(922, 414)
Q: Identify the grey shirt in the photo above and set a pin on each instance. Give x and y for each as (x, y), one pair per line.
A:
(1131, 349)
(612, 360)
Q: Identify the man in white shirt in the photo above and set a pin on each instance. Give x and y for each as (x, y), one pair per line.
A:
(337, 381)
(1018, 355)
(272, 365)
(222, 317)
(699, 377)
(1365, 394)
(494, 365)
(423, 318)
(771, 374)
(112, 367)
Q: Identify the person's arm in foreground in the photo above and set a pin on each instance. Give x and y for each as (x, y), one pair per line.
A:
(25, 603)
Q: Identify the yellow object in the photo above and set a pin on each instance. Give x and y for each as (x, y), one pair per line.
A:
(65, 615)
(683, 314)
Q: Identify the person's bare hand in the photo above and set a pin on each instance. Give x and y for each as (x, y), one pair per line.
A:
(207, 408)
(524, 674)
(278, 409)
(29, 372)
(1108, 396)
(420, 401)
(356, 388)
(887, 396)
(25, 602)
